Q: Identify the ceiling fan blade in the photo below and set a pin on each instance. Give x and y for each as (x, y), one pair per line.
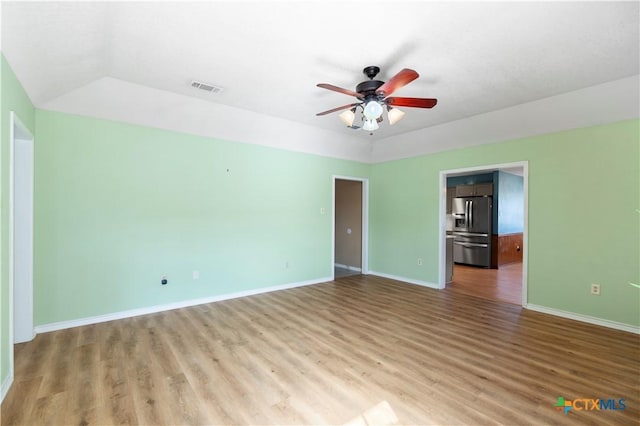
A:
(403, 78)
(339, 90)
(412, 102)
(337, 109)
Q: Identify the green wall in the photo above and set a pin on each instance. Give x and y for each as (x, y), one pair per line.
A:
(584, 188)
(13, 98)
(117, 206)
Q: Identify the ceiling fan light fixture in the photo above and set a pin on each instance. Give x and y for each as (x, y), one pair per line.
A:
(372, 110)
(370, 125)
(348, 117)
(395, 115)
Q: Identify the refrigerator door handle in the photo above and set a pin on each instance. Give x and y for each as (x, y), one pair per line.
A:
(466, 214)
(469, 234)
(471, 214)
(470, 244)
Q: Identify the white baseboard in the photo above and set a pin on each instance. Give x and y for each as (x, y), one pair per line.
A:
(6, 385)
(351, 268)
(177, 305)
(406, 280)
(585, 318)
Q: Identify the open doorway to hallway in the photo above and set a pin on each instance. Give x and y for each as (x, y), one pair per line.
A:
(484, 231)
(348, 227)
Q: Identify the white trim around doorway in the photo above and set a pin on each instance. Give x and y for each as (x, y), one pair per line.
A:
(443, 217)
(17, 132)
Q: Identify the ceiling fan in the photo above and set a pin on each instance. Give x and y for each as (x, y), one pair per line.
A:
(373, 97)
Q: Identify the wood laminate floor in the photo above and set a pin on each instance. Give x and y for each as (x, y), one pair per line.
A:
(503, 284)
(359, 350)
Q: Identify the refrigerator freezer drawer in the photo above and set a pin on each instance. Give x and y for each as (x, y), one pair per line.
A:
(476, 254)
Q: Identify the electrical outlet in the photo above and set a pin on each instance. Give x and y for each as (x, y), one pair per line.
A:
(322, 211)
(163, 280)
(595, 289)
(196, 275)
(420, 261)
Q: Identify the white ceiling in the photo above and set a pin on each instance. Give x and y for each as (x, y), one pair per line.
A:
(100, 59)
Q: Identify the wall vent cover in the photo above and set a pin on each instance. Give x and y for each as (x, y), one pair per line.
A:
(206, 87)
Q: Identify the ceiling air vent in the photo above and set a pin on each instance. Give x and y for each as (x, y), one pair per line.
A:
(206, 87)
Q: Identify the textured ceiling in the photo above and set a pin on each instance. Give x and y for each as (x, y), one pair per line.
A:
(474, 57)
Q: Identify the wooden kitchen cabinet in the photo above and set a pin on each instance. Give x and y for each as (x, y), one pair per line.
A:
(483, 189)
(477, 190)
(451, 194)
(465, 190)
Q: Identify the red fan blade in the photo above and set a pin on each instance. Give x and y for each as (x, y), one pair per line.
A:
(412, 102)
(403, 78)
(337, 109)
(339, 90)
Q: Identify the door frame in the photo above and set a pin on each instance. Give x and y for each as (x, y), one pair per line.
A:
(365, 222)
(18, 132)
(443, 218)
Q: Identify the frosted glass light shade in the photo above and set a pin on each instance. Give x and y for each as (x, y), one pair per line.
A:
(370, 125)
(372, 110)
(395, 115)
(347, 117)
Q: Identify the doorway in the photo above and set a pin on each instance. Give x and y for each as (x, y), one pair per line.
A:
(349, 226)
(21, 177)
(505, 280)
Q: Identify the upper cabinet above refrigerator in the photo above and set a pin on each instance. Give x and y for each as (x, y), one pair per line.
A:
(477, 190)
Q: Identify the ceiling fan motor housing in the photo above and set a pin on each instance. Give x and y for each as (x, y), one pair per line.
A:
(368, 88)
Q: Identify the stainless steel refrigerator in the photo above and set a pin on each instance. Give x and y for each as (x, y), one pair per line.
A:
(472, 218)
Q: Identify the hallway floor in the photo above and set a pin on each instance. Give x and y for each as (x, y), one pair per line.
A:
(344, 272)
